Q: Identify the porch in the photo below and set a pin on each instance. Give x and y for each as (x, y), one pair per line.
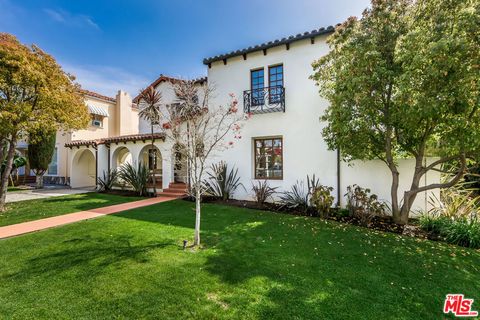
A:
(91, 159)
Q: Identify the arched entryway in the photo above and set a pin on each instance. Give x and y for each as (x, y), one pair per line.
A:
(83, 169)
(152, 158)
(121, 156)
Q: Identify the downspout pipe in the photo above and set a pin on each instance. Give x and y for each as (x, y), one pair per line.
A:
(339, 193)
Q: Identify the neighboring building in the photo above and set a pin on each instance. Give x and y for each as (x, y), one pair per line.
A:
(109, 117)
(282, 141)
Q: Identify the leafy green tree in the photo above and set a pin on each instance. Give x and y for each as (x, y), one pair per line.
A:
(34, 93)
(41, 146)
(404, 81)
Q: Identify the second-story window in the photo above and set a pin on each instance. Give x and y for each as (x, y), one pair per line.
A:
(257, 83)
(97, 121)
(275, 82)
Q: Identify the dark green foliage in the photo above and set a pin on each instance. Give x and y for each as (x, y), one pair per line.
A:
(41, 145)
(108, 180)
(18, 162)
(135, 177)
(221, 182)
(463, 232)
(262, 191)
(433, 224)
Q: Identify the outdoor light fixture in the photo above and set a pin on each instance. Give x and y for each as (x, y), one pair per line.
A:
(184, 244)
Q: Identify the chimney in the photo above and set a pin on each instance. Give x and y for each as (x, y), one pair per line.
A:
(127, 117)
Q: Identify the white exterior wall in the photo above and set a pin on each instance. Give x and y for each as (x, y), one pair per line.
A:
(168, 97)
(304, 150)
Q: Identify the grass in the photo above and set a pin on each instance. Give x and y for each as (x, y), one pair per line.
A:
(11, 189)
(29, 210)
(253, 265)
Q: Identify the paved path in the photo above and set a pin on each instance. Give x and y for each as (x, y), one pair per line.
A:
(37, 225)
(15, 196)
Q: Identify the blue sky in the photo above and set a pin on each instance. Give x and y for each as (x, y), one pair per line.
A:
(116, 44)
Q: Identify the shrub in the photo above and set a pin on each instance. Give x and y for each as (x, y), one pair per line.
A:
(322, 200)
(456, 217)
(108, 180)
(137, 178)
(463, 232)
(434, 224)
(363, 205)
(262, 191)
(221, 183)
(296, 198)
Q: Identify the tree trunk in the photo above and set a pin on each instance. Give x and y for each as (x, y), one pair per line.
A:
(196, 241)
(6, 173)
(394, 195)
(39, 180)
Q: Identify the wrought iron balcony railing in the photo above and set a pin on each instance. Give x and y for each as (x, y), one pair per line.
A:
(264, 100)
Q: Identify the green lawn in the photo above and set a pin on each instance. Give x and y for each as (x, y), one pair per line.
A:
(254, 265)
(28, 210)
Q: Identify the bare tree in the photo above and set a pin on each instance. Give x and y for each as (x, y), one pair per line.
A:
(199, 131)
(150, 102)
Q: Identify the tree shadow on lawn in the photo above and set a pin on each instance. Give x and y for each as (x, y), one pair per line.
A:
(87, 255)
(281, 266)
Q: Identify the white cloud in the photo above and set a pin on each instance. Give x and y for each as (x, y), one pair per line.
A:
(106, 80)
(69, 19)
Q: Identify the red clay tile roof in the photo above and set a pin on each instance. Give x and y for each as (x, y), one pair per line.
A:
(96, 95)
(163, 78)
(125, 138)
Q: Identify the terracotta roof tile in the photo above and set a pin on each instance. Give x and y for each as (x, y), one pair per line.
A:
(271, 44)
(96, 95)
(125, 138)
(163, 78)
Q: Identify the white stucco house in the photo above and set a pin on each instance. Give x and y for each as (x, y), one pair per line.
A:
(282, 141)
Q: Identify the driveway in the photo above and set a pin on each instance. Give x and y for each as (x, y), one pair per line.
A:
(47, 192)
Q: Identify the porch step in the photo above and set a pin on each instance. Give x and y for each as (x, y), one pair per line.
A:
(176, 190)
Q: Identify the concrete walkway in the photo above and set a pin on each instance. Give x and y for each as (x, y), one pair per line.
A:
(37, 225)
(14, 196)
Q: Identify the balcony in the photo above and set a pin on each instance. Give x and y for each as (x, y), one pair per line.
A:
(264, 100)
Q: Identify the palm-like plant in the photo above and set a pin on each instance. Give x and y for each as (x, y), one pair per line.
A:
(222, 183)
(137, 178)
(150, 102)
(108, 181)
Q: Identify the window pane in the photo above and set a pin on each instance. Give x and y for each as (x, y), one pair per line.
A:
(268, 158)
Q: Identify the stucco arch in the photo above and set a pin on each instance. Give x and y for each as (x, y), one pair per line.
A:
(83, 169)
(121, 155)
(145, 157)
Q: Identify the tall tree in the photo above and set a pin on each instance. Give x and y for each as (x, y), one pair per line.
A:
(41, 146)
(150, 103)
(34, 92)
(198, 131)
(404, 82)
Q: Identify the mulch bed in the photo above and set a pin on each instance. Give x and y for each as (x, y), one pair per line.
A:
(384, 223)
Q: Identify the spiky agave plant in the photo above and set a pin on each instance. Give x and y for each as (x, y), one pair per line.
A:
(108, 180)
(221, 182)
(135, 177)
